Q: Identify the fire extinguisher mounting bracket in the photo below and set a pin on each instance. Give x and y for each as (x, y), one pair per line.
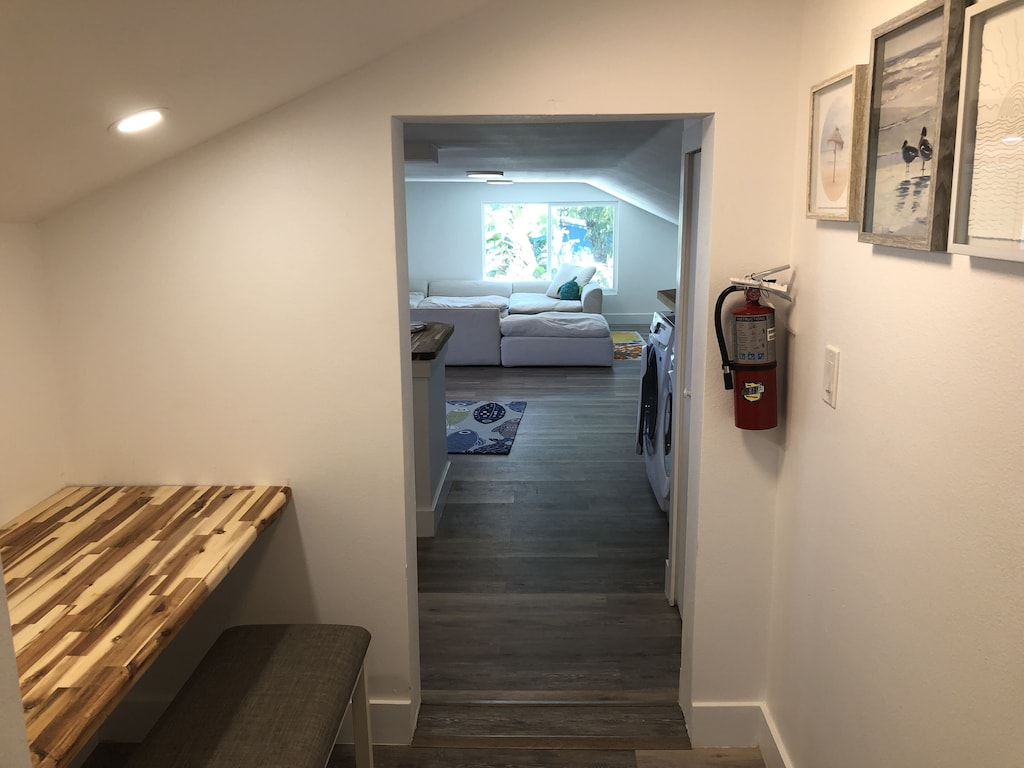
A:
(759, 280)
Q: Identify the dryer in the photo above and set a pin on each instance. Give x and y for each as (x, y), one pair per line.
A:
(654, 416)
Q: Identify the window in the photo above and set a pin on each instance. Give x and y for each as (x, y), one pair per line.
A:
(529, 241)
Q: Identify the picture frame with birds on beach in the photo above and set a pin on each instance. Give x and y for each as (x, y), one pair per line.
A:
(835, 150)
(912, 115)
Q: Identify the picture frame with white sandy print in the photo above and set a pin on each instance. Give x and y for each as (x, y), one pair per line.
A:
(988, 194)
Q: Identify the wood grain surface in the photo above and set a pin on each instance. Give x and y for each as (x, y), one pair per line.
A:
(100, 578)
(428, 343)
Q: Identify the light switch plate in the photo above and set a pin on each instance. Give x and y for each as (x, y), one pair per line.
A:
(831, 379)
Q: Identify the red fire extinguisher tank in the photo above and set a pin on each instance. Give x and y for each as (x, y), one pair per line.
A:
(755, 395)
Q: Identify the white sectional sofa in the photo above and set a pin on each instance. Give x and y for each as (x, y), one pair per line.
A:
(476, 308)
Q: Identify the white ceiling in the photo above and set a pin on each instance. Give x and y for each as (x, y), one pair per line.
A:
(69, 68)
(635, 160)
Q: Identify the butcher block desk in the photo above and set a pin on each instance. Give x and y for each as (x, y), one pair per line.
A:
(99, 579)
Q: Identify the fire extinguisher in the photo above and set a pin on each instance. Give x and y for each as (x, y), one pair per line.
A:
(752, 376)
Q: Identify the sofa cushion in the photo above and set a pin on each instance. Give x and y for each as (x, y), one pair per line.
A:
(567, 272)
(469, 288)
(556, 324)
(531, 303)
(452, 302)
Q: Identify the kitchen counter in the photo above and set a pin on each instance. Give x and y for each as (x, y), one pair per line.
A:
(428, 343)
(430, 436)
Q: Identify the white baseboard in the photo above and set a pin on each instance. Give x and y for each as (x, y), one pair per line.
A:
(391, 722)
(773, 750)
(428, 518)
(738, 724)
(629, 318)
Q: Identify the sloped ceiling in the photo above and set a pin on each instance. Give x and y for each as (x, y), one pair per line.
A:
(69, 68)
(636, 160)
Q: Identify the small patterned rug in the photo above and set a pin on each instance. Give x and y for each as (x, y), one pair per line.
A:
(482, 426)
(629, 345)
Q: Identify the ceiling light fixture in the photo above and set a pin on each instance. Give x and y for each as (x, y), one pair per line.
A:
(138, 121)
(485, 174)
(498, 181)
(1012, 139)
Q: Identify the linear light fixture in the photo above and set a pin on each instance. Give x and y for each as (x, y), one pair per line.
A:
(498, 181)
(138, 121)
(485, 174)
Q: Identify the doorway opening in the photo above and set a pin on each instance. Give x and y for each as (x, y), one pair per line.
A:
(547, 581)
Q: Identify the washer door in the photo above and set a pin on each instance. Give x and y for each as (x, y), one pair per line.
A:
(666, 422)
(647, 418)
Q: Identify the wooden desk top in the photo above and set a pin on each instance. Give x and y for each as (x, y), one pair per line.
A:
(99, 579)
(428, 343)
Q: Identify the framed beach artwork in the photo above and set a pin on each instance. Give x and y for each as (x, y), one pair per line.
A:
(834, 177)
(988, 196)
(915, 77)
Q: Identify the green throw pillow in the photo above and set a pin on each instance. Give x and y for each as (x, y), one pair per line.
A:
(570, 291)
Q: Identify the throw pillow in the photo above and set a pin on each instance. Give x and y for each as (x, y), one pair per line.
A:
(565, 273)
(570, 291)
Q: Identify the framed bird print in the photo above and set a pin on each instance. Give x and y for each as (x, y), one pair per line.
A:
(988, 194)
(834, 177)
(908, 168)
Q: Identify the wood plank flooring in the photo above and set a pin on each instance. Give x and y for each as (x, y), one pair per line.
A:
(545, 581)
(111, 755)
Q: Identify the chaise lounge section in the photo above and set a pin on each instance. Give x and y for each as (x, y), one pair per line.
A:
(477, 307)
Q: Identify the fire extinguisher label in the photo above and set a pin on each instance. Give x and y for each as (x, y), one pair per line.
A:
(753, 391)
(755, 339)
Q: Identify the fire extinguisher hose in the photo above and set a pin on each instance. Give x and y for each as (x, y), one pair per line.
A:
(726, 362)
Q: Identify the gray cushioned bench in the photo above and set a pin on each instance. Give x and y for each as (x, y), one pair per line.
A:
(266, 696)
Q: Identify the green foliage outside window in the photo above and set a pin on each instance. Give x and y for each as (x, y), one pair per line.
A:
(528, 241)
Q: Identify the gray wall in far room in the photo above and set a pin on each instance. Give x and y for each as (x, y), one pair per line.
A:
(445, 230)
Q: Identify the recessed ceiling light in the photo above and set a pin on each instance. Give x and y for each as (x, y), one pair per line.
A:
(139, 121)
(485, 174)
(1013, 139)
(498, 181)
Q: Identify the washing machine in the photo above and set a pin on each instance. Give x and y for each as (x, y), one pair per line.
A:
(654, 414)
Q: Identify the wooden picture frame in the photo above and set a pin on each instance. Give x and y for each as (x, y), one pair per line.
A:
(835, 151)
(988, 193)
(908, 167)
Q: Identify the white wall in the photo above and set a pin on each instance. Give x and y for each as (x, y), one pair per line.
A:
(208, 320)
(446, 239)
(31, 451)
(202, 316)
(13, 742)
(898, 604)
(31, 448)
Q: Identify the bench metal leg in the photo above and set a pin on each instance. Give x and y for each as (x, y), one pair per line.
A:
(361, 724)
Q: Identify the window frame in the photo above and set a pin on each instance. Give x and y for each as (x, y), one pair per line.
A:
(551, 206)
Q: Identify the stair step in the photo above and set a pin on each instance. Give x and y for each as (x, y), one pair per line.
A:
(551, 726)
(701, 758)
(653, 697)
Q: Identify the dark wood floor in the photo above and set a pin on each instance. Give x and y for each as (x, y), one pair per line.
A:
(546, 638)
(545, 581)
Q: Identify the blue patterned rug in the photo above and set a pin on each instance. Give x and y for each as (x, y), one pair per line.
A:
(482, 426)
